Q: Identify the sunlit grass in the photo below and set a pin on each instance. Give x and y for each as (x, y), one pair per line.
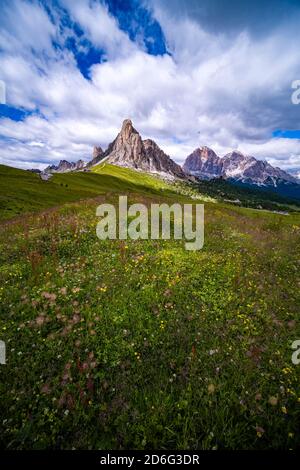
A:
(123, 344)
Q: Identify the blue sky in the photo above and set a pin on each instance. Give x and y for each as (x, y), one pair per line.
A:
(188, 73)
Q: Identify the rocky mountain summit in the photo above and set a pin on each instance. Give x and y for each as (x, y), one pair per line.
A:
(129, 150)
(203, 163)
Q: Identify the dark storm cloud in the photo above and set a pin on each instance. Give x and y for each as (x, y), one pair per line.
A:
(258, 17)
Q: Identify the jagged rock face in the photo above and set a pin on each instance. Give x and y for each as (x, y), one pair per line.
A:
(98, 155)
(79, 165)
(159, 161)
(97, 152)
(235, 164)
(248, 169)
(62, 167)
(65, 166)
(129, 150)
(204, 163)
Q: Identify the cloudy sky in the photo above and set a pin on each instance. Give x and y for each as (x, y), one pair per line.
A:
(188, 73)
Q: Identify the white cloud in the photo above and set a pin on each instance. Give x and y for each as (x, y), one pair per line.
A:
(100, 27)
(225, 92)
(25, 25)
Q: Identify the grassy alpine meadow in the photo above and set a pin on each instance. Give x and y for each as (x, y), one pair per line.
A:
(142, 344)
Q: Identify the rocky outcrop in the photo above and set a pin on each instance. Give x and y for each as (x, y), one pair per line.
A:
(79, 165)
(159, 162)
(45, 176)
(64, 166)
(98, 155)
(129, 150)
(35, 170)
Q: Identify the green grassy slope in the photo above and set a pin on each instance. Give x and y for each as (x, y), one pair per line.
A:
(145, 344)
(22, 191)
(142, 344)
(137, 178)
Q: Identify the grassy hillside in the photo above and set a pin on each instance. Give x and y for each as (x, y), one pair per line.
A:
(22, 191)
(142, 344)
(128, 176)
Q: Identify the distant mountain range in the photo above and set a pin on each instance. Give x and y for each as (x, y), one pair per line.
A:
(129, 150)
(243, 170)
(64, 166)
(205, 164)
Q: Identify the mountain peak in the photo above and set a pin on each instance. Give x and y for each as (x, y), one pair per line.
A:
(237, 156)
(129, 150)
(204, 163)
(206, 152)
(127, 129)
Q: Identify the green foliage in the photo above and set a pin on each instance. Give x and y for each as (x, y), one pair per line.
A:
(23, 192)
(142, 344)
(246, 195)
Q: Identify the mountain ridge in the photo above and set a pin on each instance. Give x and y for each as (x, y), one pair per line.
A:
(129, 150)
(64, 166)
(204, 163)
